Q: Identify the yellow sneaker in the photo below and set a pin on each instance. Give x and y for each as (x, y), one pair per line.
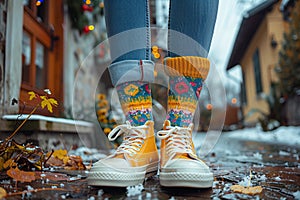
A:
(135, 159)
(179, 164)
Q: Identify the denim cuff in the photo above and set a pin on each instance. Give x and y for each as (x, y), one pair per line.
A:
(131, 70)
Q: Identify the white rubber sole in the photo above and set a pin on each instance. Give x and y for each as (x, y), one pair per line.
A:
(186, 179)
(121, 179)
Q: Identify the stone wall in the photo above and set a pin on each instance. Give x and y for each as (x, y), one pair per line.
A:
(83, 68)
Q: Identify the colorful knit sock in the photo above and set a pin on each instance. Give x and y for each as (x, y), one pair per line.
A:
(136, 101)
(186, 77)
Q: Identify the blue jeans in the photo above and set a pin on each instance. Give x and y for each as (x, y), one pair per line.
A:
(191, 25)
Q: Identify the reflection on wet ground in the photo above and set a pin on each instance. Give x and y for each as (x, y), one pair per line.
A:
(274, 167)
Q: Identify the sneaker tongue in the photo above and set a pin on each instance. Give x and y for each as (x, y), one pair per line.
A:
(121, 156)
(183, 156)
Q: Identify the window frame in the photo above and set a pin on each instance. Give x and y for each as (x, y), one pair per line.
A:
(44, 32)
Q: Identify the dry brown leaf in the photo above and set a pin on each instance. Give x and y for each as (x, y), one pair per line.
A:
(75, 163)
(20, 175)
(3, 192)
(9, 163)
(246, 190)
(1, 163)
(60, 158)
(52, 161)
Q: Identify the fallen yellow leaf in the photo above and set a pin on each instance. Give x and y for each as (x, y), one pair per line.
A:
(60, 153)
(246, 190)
(3, 192)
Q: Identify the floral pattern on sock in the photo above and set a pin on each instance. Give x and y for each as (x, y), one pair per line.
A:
(183, 97)
(136, 101)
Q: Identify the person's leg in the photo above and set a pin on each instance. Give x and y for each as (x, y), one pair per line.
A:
(191, 25)
(131, 72)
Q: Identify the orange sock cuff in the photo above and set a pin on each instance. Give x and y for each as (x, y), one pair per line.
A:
(192, 66)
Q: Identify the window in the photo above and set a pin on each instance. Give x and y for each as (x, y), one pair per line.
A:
(257, 72)
(42, 47)
(243, 90)
(34, 65)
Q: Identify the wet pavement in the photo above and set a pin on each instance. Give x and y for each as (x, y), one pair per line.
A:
(273, 166)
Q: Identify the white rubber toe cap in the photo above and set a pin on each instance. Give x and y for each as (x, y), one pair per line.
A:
(185, 165)
(117, 165)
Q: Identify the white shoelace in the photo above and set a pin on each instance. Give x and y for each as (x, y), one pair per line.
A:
(177, 140)
(133, 139)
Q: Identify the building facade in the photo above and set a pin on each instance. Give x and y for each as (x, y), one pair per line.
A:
(256, 50)
(42, 49)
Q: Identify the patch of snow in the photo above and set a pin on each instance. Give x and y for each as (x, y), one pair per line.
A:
(29, 188)
(273, 124)
(262, 178)
(27, 193)
(277, 178)
(289, 135)
(100, 193)
(257, 156)
(134, 190)
(246, 182)
(5, 182)
(284, 153)
(87, 154)
(297, 195)
(73, 178)
(148, 195)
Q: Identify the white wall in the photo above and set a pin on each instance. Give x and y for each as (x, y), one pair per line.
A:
(13, 66)
(2, 46)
